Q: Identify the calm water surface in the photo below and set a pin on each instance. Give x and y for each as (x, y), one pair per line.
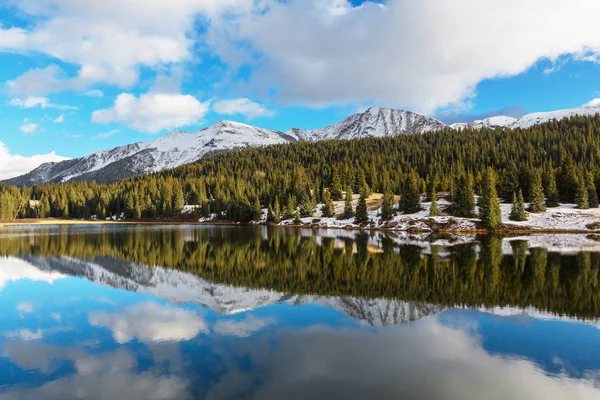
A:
(182, 312)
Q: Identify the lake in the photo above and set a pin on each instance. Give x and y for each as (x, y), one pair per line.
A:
(227, 312)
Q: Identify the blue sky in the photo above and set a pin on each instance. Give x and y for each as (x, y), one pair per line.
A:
(80, 76)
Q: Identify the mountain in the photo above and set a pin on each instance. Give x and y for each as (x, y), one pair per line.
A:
(180, 148)
(169, 151)
(181, 288)
(529, 120)
(374, 122)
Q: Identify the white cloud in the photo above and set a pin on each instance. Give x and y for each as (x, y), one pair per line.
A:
(111, 39)
(91, 373)
(28, 128)
(94, 93)
(242, 106)
(150, 322)
(12, 165)
(243, 328)
(417, 54)
(25, 307)
(29, 102)
(60, 119)
(424, 360)
(153, 112)
(107, 134)
(38, 81)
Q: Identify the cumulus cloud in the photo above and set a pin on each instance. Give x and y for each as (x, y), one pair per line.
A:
(421, 55)
(12, 165)
(150, 322)
(426, 360)
(29, 102)
(90, 376)
(153, 112)
(28, 128)
(94, 93)
(110, 40)
(243, 328)
(242, 106)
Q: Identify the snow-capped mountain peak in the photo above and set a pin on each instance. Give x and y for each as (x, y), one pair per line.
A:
(373, 122)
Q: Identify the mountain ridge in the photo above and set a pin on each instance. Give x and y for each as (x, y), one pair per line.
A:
(180, 147)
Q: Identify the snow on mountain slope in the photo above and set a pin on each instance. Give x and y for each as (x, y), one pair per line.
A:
(374, 122)
(169, 151)
(180, 287)
(527, 121)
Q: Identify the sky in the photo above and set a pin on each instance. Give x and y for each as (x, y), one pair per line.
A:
(80, 76)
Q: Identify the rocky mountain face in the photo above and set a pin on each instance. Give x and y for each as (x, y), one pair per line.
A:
(181, 288)
(169, 151)
(180, 148)
(374, 122)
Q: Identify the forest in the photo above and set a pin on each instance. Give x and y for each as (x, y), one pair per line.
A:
(545, 165)
(286, 260)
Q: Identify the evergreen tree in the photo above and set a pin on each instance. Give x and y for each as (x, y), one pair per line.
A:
(336, 185)
(410, 198)
(178, 200)
(256, 209)
(537, 194)
(552, 191)
(463, 202)
(348, 211)
(307, 207)
(510, 183)
(517, 211)
(277, 210)
(327, 209)
(297, 219)
(568, 181)
(591, 188)
(490, 212)
(434, 210)
(362, 214)
(290, 208)
(387, 205)
(581, 197)
(431, 188)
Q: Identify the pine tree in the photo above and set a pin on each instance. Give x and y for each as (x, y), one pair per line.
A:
(387, 205)
(463, 202)
(362, 214)
(490, 212)
(290, 208)
(297, 219)
(581, 197)
(537, 194)
(348, 211)
(336, 185)
(431, 189)
(256, 209)
(434, 210)
(591, 188)
(517, 212)
(327, 209)
(510, 182)
(552, 191)
(410, 198)
(277, 211)
(307, 207)
(178, 200)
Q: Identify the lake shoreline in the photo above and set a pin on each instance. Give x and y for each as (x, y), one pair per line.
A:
(506, 230)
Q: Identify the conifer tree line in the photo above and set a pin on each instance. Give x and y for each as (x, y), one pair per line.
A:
(556, 162)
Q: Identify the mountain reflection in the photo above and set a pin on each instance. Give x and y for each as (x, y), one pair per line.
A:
(288, 262)
(254, 313)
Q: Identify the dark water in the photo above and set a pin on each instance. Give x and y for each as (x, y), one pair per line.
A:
(239, 312)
